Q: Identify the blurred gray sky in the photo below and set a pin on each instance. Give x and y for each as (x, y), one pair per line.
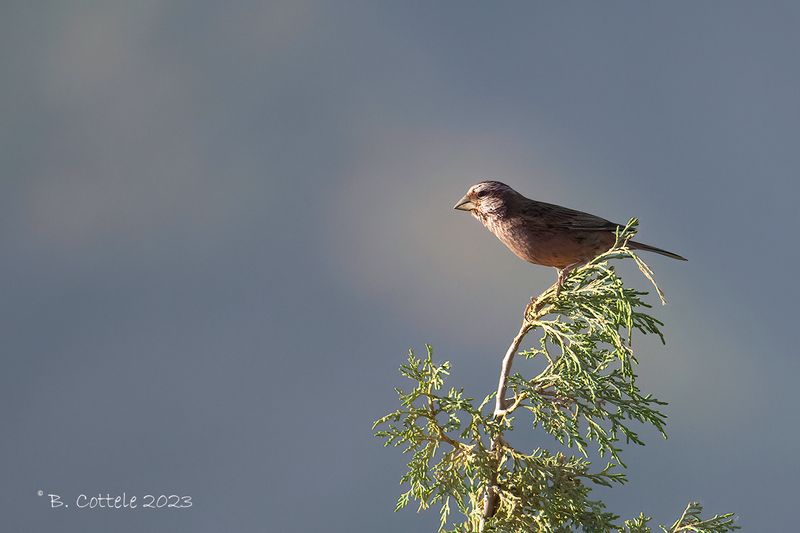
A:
(224, 226)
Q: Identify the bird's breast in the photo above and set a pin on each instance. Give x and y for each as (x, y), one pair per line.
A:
(547, 246)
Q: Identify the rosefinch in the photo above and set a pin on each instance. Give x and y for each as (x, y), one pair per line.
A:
(541, 233)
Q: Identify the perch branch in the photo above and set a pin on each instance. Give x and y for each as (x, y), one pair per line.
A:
(505, 369)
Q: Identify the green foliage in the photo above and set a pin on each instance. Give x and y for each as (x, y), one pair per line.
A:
(690, 520)
(446, 435)
(586, 339)
(585, 395)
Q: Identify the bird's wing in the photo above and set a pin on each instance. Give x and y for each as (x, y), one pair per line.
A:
(556, 216)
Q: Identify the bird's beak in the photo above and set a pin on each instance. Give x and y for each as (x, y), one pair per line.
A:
(465, 204)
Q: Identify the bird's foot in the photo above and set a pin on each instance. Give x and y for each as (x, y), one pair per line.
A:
(562, 275)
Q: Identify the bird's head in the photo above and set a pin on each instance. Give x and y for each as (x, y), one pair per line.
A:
(487, 198)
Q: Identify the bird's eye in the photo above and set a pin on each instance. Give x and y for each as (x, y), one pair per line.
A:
(481, 194)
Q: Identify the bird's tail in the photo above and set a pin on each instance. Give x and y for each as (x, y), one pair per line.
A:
(639, 246)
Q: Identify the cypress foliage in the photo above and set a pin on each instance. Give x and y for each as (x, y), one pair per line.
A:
(586, 397)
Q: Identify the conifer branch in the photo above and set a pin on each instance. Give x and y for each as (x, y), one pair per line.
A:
(585, 395)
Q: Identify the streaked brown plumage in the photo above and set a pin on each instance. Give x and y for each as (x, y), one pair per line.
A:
(542, 233)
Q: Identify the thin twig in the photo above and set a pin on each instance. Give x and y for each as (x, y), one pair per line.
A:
(505, 369)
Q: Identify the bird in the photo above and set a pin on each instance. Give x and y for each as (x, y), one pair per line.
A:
(542, 233)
